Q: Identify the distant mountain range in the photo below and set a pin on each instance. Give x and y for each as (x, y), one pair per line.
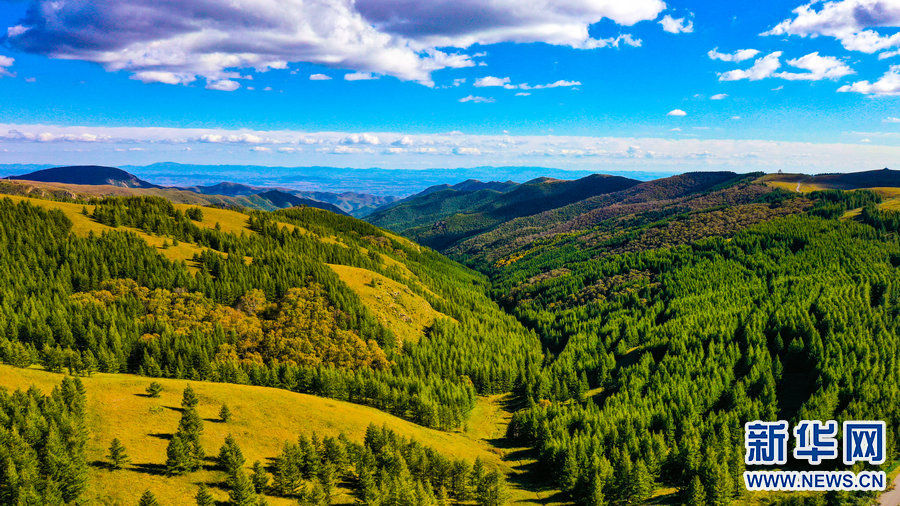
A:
(246, 195)
(474, 218)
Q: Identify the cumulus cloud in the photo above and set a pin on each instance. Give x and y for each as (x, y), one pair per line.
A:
(855, 23)
(677, 113)
(491, 81)
(818, 67)
(762, 68)
(892, 119)
(364, 138)
(5, 63)
(442, 149)
(319, 77)
(476, 99)
(719, 96)
(676, 25)
(223, 85)
(179, 42)
(888, 85)
(737, 56)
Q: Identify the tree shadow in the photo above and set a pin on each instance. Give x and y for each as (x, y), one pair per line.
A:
(154, 469)
(162, 435)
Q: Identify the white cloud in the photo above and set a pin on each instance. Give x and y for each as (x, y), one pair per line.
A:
(852, 22)
(737, 57)
(5, 63)
(360, 76)
(889, 54)
(403, 141)
(364, 138)
(556, 84)
(892, 119)
(477, 99)
(523, 94)
(719, 96)
(491, 81)
(319, 77)
(504, 82)
(679, 25)
(179, 42)
(261, 149)
(888, 85)
(677, 113)
(819, 67)
(223, 85)
(762, 68)
(450, 149)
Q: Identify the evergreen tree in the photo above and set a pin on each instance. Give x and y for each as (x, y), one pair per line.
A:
(225, 414)
(696, 494)
(241, 490)
(203, 497)
(231, 459)
(260, 477)
(117, 456)
(148, 499)
(189, 398)
(154, 389)
(179, 457)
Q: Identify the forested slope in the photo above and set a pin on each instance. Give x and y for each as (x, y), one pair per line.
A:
(258, 304)
(668, 328)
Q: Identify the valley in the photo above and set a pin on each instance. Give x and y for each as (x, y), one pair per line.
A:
(594, 341)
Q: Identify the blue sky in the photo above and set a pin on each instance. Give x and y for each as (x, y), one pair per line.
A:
(605, 84)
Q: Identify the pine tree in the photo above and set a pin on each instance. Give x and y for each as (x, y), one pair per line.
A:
(241, 492)
(231, 459)
(203, 497)
(696, 494)
(641, 482)
(596, 497)
(118, 457)
(491, 490)
(259, 477)
(225, 414)
(154, 389)
(189, 398)
(148, 499)
(179, 458)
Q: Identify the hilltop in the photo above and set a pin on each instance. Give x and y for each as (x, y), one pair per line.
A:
(884, 178)
(86, 175)
(441, 218)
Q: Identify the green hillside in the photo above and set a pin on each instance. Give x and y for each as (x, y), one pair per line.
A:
(257, 303)
(609, 351)
(262, 420)
(445, 217)
(676, 310)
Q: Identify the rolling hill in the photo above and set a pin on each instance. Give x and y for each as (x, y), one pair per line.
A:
(443, 217)
(86, 175)
(281, 200)
(263, 420)
(355, 204)
(616, 339)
